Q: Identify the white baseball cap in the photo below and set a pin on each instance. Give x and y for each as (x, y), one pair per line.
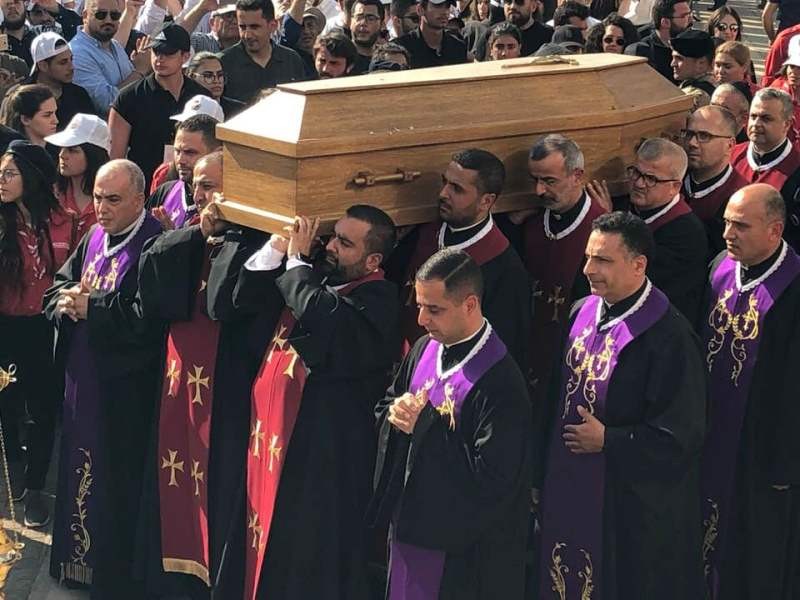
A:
(83, 129)
(200, 105)
(793, 59)
(47, 45)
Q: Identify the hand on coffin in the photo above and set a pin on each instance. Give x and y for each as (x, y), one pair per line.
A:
(210, 222)
(598, 191)
(301, 236)
(587, 438)
(166, 222)
(405, 410)
(279, 243)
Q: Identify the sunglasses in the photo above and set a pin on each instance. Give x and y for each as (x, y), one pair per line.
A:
(613, 40)
(724, 27)
(39, 11)
(101, 15)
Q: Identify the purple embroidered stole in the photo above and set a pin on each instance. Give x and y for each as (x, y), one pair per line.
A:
(81, 462)
(415, 573)
(176, 207)
(574, 487)
(732, 337)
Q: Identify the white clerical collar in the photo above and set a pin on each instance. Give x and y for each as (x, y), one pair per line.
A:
(587, 203)
(687, 184)
(751, 159)
(482, 233)
(648, 288)
(664, 210)
(442, 375)
(758, 280)
(131, 230)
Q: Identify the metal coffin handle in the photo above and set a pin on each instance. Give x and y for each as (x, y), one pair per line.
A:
(368, 179)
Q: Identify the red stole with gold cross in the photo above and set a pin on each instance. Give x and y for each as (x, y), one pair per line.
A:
(183, 437)
(275, 403)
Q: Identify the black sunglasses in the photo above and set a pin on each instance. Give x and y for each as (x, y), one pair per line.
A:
(101, 15)
(38, 10)
(613, 40)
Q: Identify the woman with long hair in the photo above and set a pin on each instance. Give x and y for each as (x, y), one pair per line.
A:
(732, 63)
(36, 237)
(84, 146)
(31, 111)
(725, 24)
(613, 35)
(206, 69)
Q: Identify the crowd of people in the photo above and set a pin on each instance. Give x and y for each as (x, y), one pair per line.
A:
(589, 398)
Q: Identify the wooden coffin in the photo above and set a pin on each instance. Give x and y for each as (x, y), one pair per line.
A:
(316, 148)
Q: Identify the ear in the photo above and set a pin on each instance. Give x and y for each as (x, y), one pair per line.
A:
(420, 10)
(487, 201)
(373, 261)
(776, 229)
(640, 264)
(471, 303)
(578, 175)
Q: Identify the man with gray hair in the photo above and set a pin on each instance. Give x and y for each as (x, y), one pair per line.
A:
(708, 140)
(110, 356)
(554, 240)
(679, 265)
(736, 98)
(769, 157)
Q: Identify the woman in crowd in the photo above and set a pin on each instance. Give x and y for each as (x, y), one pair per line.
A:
(732, 63)
(206, 69)
(84, 146)
(505, 41)
(36, 237)
(613, 35)
(31, 110)
(725, 25)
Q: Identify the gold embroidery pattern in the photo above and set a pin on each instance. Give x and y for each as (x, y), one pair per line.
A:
(83, 541)
(173, 465)
(587, 369)
(274, 450)
(556, 299)
(743, 326)
(586, 575)
(711, 532)
(557, 572)
(448, 406)
(258, 531)
(7, 376)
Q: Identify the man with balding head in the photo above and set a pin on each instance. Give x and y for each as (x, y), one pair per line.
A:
(679, 265)
(735, 97)
(751, 461)
(110, 358)
(708, 139)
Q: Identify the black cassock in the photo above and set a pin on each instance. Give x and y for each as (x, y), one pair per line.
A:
(464, 492)
(125, 349)
(169, 274)
(763, 547)
(655, 423)
(316, 544)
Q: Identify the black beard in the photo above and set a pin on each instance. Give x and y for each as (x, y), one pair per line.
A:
(14, 25)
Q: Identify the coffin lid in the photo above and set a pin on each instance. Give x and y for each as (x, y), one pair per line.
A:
(457, 103)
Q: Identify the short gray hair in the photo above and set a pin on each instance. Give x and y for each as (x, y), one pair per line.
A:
(555, 142)
(787, 107)
(728, 88)
(135, 174)
(657, 148)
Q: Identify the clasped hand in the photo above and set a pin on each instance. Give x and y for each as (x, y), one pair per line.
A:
(586, 438)
(74, 301)
(405, 410)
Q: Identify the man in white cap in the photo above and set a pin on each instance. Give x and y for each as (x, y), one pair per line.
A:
(172, 202)
(52, 66)
(50, 15)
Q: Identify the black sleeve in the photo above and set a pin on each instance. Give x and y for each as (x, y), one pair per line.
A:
(157, 198)
(69, 275)
(125, 104)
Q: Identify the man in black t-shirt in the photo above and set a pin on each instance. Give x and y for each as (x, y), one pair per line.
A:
(140, 117)
(19, 34)
(53, 67)
(787, 13)
(522, 14)
(365, 26)
(431, 45)
(670, 18)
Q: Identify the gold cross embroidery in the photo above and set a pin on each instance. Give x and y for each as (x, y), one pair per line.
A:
(556, 299)
(111, 278)
(91, 272)
(7, 376)
(259, 437)
(279, 342)
(197, 381)
(292, 353)
(174, 375)
(448, 407)
(197, 475)
(274, 450)
(173, 465)
(257, 530)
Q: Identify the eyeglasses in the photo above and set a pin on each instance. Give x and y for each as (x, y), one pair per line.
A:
(39, 11)
(650, 181)
(7, 174)
(613, 40)
(362, 18)
(101, 15)
(209, 76)
(724, 27)
(703, 137)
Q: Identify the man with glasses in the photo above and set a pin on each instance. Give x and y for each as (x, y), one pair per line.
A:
(709, 139)
(769, 157)
(679, 265)
(365, 27)
(670, 18)
(404, 17)
(49, 13)
(430, 44)
(102, 66)
(224, 31)
(19, 34)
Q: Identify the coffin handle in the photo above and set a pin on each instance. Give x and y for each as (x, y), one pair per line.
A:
(368, 179)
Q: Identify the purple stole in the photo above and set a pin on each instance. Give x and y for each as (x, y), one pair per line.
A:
(175, 205)
(82, 467)
(415, 573)
(732, 337)
(574, 487)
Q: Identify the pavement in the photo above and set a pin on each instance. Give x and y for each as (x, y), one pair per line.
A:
(29, 579)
